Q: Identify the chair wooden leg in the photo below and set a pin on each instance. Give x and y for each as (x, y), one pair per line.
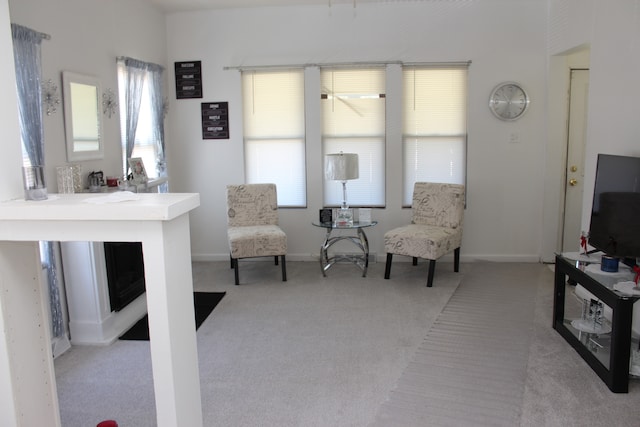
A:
(432, 270)
(234, 262)
(387, 268)
(276, 259)
(284, 268)
(231, 260)
(456, 260)
(415, 260)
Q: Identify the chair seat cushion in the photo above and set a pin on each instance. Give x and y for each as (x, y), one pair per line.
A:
(256, 241)
(422, 241)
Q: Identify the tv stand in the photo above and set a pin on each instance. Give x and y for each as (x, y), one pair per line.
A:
(607, 346)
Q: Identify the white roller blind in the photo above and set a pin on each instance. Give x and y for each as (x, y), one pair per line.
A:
(434, 126)
(353, 121)
(274, 132)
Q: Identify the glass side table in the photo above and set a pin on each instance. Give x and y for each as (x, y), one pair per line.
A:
(359, 240)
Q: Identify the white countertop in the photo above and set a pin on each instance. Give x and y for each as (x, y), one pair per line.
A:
(79, 207)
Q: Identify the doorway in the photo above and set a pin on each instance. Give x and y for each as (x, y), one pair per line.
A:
(574, 168)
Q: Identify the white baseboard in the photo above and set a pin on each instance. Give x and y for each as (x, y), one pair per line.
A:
(106, 330)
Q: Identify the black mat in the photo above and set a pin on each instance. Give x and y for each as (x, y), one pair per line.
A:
(203, 302)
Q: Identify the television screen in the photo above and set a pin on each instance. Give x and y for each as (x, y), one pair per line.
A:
(615, 212)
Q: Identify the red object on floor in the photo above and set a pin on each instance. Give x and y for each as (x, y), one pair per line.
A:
(107, 423)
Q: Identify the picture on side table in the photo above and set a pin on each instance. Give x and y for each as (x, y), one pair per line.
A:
(138, 172)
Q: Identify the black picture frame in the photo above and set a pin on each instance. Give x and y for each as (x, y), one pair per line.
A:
(326, 215)
(215, 120)
(188, 79)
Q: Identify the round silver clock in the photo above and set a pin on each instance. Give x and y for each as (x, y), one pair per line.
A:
(508, 101)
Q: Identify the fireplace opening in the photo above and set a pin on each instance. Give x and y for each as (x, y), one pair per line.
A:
(125, 272)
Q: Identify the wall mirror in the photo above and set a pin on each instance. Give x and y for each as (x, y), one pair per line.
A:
(82, 117)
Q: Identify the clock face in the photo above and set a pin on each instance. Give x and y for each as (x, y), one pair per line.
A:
(508, 101)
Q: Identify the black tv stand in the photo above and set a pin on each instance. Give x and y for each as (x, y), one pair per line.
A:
(606, 349)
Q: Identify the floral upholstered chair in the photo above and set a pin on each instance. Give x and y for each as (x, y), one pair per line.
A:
(435, 229)
(252, 219)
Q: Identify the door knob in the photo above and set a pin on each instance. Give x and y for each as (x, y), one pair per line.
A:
(573, 182)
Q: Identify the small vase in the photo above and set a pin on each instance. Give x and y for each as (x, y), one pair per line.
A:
(65, 179)
(34, 186)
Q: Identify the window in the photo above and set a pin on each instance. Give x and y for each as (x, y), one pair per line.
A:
(274, 132)
(435, 126)
(353, 121)
(142, 115)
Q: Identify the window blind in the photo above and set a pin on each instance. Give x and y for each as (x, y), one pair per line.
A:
(353, 121)
(434, 125)
(274, 132)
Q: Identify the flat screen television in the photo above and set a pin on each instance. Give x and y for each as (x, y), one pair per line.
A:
(615, 212)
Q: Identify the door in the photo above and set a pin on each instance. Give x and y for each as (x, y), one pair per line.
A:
(577, 126)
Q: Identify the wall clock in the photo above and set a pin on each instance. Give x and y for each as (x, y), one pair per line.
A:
(508, 101)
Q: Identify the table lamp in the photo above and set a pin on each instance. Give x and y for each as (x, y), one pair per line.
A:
(342, 167)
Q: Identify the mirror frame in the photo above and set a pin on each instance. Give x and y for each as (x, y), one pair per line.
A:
(68, 78)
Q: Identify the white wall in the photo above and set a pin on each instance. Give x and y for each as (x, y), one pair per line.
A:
(513, 209)
(10, 188)
(11, 159)
(610, 32)
(505, 40)
(86, 37)
(614, 119)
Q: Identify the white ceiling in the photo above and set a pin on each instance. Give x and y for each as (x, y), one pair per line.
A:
(184, 5)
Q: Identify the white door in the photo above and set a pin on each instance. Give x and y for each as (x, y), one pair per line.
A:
(577, 126)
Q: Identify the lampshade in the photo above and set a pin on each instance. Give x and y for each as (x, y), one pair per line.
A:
(341, 166)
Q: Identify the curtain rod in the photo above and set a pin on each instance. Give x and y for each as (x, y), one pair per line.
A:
(346, 64)
(40, 34)
(140, 61)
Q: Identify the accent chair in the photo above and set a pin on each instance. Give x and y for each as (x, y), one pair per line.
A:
(435, 229)
(252, 220)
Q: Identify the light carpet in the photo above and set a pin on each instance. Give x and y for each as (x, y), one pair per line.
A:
(312, 351)
(329, 352)
(471, 368)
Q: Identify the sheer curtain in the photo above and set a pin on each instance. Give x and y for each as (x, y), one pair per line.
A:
(158, 111)
(134, 72)
(26, 52)
(133, 76)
